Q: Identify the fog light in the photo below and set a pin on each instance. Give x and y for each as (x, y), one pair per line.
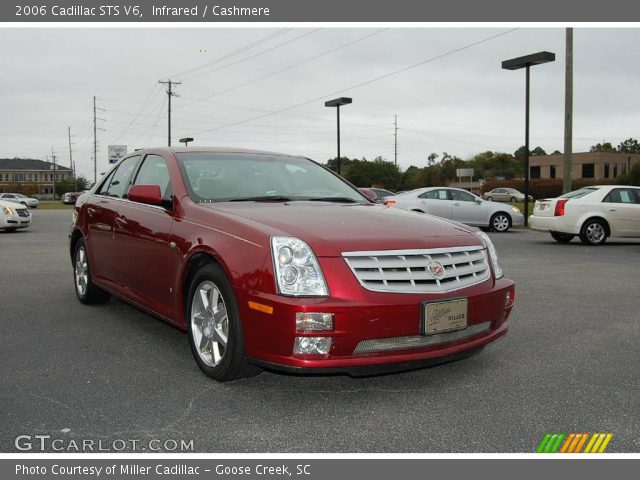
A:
(313, 321)
(312, 345)
(510, 298)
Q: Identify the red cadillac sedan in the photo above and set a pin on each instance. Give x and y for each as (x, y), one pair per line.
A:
(271, 260)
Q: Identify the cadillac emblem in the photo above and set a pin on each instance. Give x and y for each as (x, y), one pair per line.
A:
(436, 269)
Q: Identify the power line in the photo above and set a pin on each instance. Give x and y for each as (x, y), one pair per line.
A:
(294, 65)
(367, 82)
(238, 51)
(306, 34)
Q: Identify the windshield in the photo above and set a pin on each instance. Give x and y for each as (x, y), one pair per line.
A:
(219, 177)
(579, 193)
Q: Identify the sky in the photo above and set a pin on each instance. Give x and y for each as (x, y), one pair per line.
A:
(265, 88)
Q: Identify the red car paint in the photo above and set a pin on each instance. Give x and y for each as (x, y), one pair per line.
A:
(142, 253)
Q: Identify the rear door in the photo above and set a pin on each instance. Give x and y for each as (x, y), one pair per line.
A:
(622, 208)
(147, 264)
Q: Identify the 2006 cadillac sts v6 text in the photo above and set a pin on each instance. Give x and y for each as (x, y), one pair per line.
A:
(269, 260)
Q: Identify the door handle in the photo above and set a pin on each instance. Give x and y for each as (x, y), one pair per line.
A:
(91, 211)
(612, 209)
(457, 204)
(121, 221)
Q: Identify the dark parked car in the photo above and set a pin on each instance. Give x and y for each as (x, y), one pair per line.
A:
(269, 260)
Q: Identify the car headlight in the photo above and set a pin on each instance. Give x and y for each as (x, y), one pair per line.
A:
(493, 254)
(297, 270)
(515, 209)
(8, 211)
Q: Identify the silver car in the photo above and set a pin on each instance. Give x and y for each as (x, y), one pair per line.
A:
(20, 198)
(459, 205)
(505, 195)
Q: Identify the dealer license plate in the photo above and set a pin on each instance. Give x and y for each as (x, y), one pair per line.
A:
(448, 316)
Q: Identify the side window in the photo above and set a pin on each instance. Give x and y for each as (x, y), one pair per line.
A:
(154, 171)
(118, 184)
(102, 190)
(435, 195)
(460, 196)
(621, 195)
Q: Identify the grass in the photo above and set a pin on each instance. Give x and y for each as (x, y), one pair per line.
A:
(520, 205)
(53, 205)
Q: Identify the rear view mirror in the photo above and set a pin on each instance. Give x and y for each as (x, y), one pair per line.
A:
(478, 201)
(148, 194)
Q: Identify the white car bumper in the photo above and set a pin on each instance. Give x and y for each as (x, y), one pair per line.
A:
(552, 224)
(14, 221)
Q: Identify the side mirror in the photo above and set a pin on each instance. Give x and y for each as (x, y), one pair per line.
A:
(370, 194)
(478, 201)
(148, 194)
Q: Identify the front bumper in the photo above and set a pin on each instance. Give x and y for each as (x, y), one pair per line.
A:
(517, 219)
(376, 319)
(15, 221)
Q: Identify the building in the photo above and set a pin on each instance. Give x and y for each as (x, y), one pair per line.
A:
(590, 165)
(31, 177)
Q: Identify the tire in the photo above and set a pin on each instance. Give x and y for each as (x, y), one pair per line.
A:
(86, 291)
(214, 327)
(593, 232)
(500, 222)
(513, 199)
(489, 199)
(562, 237)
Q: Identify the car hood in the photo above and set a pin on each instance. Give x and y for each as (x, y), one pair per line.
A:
(331, 229)
(14, 205)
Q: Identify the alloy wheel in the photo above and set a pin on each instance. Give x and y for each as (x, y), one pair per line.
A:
(81, 272)
(209, 323)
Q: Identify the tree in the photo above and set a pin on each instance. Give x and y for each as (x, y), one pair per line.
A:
(519, 153)
(630, 145)
(379, 172)
(602, 147)
(69, 185)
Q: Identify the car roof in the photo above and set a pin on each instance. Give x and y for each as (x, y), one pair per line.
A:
(198, 149)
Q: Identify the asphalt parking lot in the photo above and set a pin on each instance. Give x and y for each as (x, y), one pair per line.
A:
(570, 363)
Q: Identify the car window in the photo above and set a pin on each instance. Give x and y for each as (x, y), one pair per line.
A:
(245, 176)
(498, 190)
(579, 193)
(621, 195)
(8, 195)
(154, 171)
(460, 196)
(435, 195)
(118, 183)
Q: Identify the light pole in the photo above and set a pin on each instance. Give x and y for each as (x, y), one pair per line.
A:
(338, 102)
(515, 64)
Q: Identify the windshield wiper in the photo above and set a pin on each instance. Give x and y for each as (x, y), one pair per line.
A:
(263, 198)
(332, 199)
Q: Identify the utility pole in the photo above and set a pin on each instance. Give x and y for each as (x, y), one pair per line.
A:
(71, 164)
(170, 93)
(568, 112)
(95, 143)
(53, 157)
(395, 146)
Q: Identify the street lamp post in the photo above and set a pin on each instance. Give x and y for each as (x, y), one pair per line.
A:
(338, 102)
(515, 64)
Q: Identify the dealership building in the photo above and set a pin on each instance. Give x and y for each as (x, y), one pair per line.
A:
(31, 177)
(591, 165)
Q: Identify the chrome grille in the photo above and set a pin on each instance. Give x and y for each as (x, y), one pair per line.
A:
(22, 212)
(416, 341)
(407, 271)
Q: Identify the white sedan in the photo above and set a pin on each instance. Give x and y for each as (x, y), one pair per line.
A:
(459, 205)
(13, 216)
(20, 198)
(592, 213)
